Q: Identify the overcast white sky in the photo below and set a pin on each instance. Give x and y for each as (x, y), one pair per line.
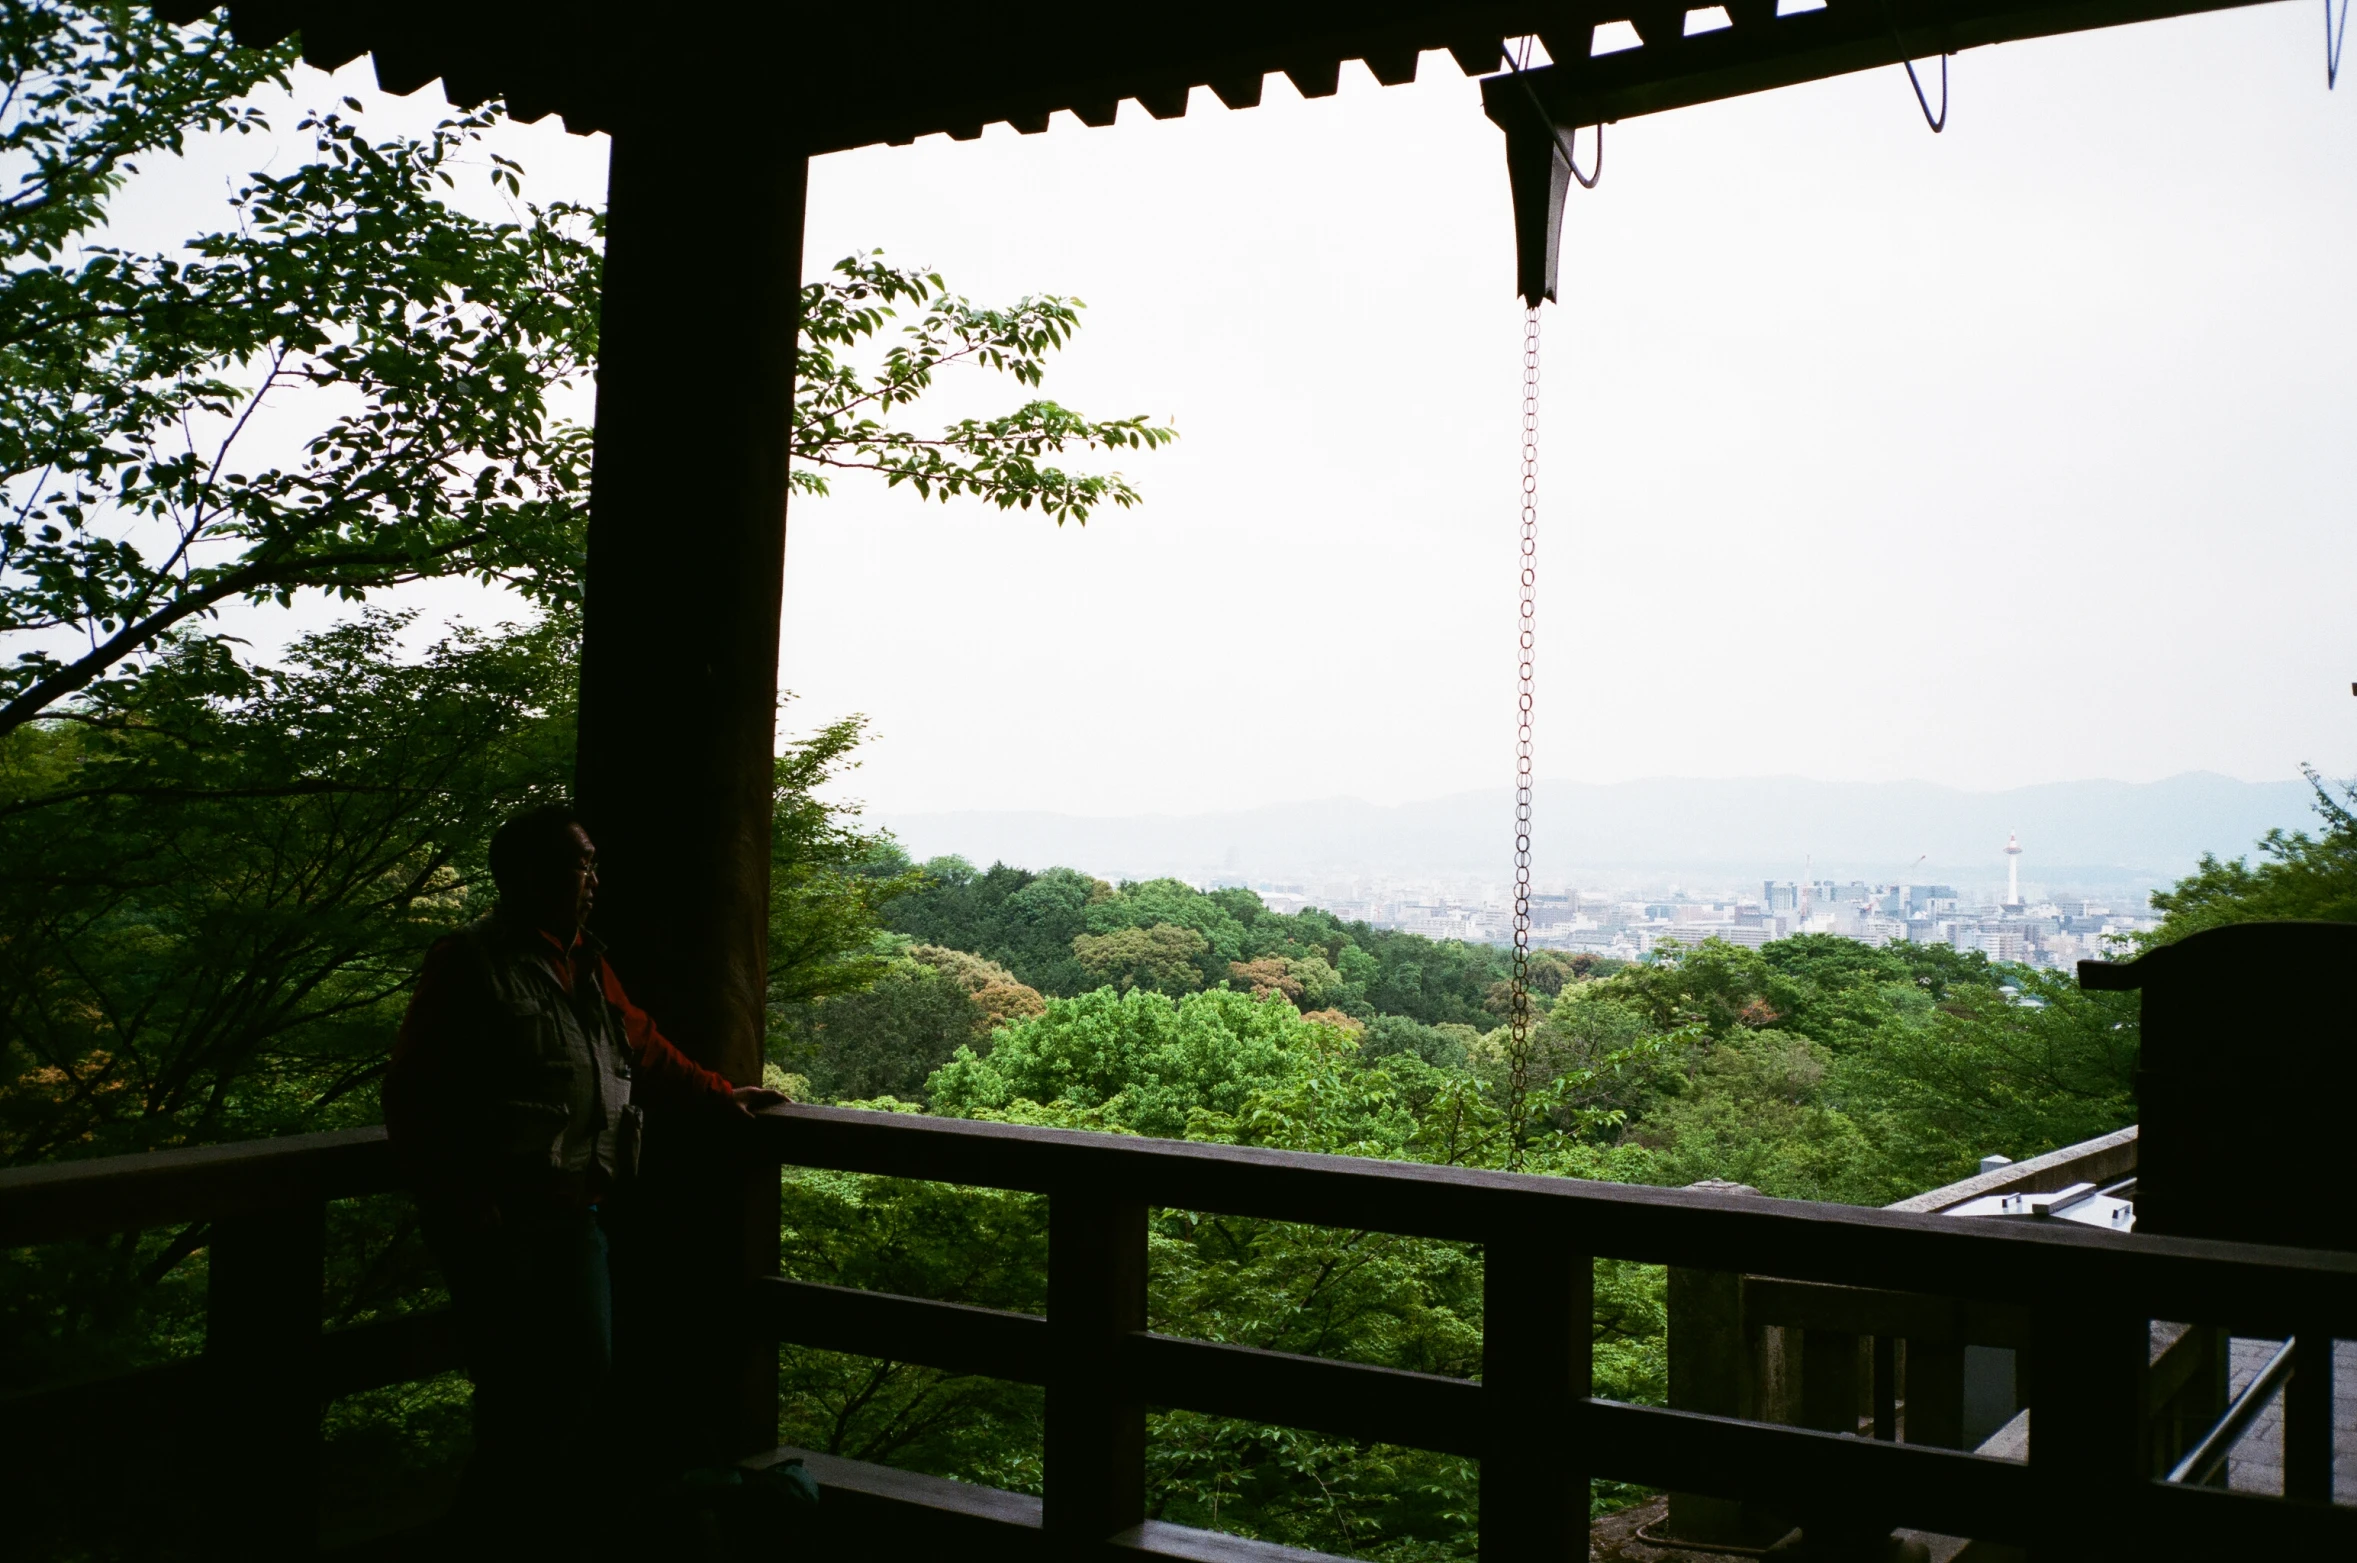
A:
(2017, 454)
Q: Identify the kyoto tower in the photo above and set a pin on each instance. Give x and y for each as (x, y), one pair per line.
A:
(2012, 872)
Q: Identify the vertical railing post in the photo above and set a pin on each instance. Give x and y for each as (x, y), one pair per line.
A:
(1536, 1374)
(1095, 1452)
(2307, 1419)
(1715, 1367)
(2088, 1458)
(1935, 1390)
(762, 1212)
(1886, 1388)
(266, 1274)
(1830, 1393)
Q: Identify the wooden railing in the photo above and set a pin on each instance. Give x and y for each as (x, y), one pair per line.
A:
(1892, 1365)
(2085, 1298)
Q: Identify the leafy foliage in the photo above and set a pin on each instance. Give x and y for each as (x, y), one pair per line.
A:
(92, 87)
(352, 384)
(1031, 922)
(888, 1038)
(841, 414)
(2300, 876)
(219, 879)
(828, 879)
(424, 344)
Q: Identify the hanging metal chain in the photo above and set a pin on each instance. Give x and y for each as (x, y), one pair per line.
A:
(1518, 1081)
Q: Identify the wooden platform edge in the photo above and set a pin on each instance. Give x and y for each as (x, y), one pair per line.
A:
(922, 1514)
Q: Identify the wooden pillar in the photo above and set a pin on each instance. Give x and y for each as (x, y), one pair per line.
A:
(679, 705)
(1537, 1371)
(1713, 1369)
(687, 538)
(2087, 1441)
(1095, 1458)
(2307, 1419)
(265, 1275)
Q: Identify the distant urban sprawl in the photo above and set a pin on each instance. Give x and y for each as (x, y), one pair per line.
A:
(2049, 930)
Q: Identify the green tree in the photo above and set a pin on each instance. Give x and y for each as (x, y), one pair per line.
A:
(840, 411)
(2016, 1070)
(410, 349)
(2299, 876)
(1025, 921)
(1164, 957)
(219, 878)
(416, 345)
(885, 1038)
(404, 354)
(1142, 1059)
(829, 880)
(882, 1040)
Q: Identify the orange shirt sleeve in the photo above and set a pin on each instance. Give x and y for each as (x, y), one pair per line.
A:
(664, 1072)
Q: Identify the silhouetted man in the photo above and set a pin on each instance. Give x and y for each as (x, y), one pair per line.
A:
(514, 1103)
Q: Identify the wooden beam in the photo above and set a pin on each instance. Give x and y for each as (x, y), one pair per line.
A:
(1673, 72)
(1866, 1310)
(873, 1510)
(2086, 1367)
(852, 77)
(687, 536)
(262, 1325)
(2250, 1287)
(1785, 1468)
(1343, 1399)
(63, 1200)
(1095, 1455)
(948, 1336)
(1538, 1303)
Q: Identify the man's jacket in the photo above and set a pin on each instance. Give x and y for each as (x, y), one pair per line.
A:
(520, 1068)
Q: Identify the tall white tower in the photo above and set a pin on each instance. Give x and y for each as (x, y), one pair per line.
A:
(2012, 872)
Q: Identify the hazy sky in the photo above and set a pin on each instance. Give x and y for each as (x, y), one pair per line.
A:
(2017, 454)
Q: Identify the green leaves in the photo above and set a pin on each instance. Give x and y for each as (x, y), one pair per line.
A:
(2298, 876)
(402, 356)
(219, 878)
(411, 350)
(842, 411)
(91, 87)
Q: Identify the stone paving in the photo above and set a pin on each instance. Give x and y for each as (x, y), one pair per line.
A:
(2257, 1462)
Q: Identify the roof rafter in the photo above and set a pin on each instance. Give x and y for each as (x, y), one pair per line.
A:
(849, 76)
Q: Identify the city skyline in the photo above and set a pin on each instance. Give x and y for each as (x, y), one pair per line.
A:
(2055, 930)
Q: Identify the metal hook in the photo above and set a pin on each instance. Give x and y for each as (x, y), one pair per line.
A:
(1939, 123)
(2333, 39)
(1588, 181)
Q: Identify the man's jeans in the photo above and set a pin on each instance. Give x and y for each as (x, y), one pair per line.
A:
(535, 1317)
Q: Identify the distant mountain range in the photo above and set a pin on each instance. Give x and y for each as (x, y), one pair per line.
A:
(2087, 832)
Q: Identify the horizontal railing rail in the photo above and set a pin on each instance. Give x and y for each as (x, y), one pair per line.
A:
(2075, 1300)
(2254, 1288)
(60, 1201)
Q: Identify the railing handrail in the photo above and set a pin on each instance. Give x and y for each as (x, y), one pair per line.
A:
(61, 1201)
(2098, 1160)
(2087, 1294)
(2253, 1287)
(2258, 1289)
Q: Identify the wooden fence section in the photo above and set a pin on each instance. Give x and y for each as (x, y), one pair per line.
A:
(2078, 1301)
(1936, 1370)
